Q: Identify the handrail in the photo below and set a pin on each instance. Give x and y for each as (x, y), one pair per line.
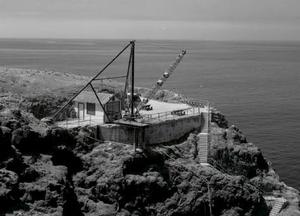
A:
(171, 114)
(70, 121)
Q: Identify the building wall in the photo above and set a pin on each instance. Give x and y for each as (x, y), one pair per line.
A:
(162, 132)
(205, 120)
(99, 114)
(171, 130)
(116, 133)
(113, 109)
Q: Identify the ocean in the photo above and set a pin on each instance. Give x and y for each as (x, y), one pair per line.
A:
(255, 84)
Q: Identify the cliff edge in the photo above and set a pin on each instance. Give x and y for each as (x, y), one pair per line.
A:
(54, 171)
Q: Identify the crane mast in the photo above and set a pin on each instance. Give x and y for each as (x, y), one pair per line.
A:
(168, 72)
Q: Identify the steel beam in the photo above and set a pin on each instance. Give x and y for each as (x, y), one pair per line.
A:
(95, 77)
(132, 77)
(100, 102)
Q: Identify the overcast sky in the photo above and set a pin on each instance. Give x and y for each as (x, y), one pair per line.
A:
(152, 19)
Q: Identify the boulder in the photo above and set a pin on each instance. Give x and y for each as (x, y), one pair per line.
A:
(84, 140)
(219, 119)
(5, 135)
(15, 163)
(65, 156)
(47, 188)
(25, 139)
(13, 124)
(267, 183)
(55, 137)
(30, 174)
(233, 135)
(9, 193)
(5, 145)
(244, 159)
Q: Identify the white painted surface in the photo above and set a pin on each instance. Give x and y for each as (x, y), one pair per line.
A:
(159, 106)
(99, 114)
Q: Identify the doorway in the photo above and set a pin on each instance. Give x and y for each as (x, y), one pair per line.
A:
(81, 111)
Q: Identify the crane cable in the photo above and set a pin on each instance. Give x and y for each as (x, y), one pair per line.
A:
(168, 72)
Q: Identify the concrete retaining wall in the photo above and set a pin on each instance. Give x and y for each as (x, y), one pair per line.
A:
(171, 130)
(156, 133)
(116, 133)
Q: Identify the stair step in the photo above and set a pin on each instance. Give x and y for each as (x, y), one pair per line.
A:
(277, 206)
(203, 147)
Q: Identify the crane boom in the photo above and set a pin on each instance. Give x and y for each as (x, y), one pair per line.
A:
(168, 72)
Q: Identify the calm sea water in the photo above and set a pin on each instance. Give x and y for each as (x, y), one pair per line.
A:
(255, 84)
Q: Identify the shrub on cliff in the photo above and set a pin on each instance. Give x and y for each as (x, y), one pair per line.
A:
(65, 156)
(242, 159)
(234, 135)
(25, 139)
(48, 189)
(12, 124)
(57, 136)
(85, 140)
(5, 145)
(231, 153)
(149, 183)
(43, 105)
(219, 119)
(9, 192)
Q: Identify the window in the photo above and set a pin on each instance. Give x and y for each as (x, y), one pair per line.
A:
(91, 108)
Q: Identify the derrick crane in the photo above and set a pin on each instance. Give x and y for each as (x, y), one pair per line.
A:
(168, 72)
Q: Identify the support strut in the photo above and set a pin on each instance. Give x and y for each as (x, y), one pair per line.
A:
(89, 83)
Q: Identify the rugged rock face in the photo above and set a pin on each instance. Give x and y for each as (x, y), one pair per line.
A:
(231, 153)
(8, 189)
(5, 145)
(54, 171)
(219, 119)
(43, 105)
(161, 181)
(34, 179)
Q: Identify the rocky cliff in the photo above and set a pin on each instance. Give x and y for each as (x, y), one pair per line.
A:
(54, 171)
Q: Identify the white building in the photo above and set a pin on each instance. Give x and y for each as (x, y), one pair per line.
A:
(87, 107)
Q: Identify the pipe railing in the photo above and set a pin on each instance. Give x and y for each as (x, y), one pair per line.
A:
(171, 114)
(75, 122)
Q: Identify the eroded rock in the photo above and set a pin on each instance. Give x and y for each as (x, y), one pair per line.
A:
(9, 191)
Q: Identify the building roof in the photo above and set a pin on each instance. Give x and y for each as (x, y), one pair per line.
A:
(90, 97)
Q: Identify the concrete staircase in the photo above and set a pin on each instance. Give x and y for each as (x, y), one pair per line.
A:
(278, 205)
(203, 147)
(203, 138)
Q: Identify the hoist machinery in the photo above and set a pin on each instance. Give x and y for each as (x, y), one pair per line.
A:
(142, 103)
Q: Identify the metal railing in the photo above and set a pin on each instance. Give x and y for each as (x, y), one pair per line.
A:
(75, 122)
(171, 114)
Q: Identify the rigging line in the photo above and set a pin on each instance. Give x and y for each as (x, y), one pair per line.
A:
(102, 70)
(115, 77)
(157, 45)
(100, 102)
(127, 74)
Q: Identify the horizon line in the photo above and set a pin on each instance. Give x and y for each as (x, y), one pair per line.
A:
(147, 39)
